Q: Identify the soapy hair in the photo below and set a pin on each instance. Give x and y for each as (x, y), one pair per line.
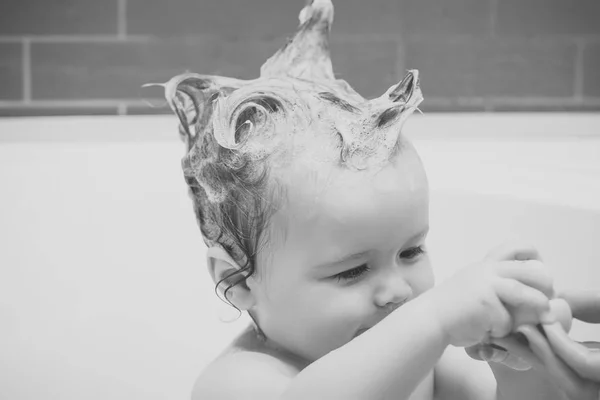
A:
(232, 194)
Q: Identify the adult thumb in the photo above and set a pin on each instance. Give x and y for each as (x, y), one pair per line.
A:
(490, 352)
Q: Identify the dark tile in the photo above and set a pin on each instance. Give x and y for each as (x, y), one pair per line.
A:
(11, 71)
(492, 67)
(428, 17)
(117, 70)
(539, 17)
(274, 18)
(591, 70)
(55, 111)
(549, 108)
(58, 17)
(370, 68)
(232, 19)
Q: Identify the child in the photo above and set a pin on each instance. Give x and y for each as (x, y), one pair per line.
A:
(314, 209)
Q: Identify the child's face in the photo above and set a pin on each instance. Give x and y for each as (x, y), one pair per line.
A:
(309, 302)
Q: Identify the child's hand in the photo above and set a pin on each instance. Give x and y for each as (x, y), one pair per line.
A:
(487, 300)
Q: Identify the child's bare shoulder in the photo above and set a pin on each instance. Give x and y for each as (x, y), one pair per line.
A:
(244, 373)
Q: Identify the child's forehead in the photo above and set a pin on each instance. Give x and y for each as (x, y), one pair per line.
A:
(314, 189)
(331, 211)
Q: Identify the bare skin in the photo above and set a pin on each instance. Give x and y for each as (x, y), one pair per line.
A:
(583, 358)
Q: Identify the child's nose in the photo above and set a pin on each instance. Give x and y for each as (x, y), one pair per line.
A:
(393, 290)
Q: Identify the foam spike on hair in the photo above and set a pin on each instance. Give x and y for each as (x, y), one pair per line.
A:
(296, 93)
(306, 55)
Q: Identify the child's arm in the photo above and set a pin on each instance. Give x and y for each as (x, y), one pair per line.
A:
(457, 376)
(387, 361)
(393, 357)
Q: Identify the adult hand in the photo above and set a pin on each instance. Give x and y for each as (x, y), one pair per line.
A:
(583, 358)
(573, 368)
(521, 360)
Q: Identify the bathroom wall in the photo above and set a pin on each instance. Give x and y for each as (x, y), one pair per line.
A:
(64, 57)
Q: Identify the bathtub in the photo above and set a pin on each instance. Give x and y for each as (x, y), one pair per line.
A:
(103, 288)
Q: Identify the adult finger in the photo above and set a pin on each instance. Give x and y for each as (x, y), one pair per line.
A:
(519, 349)
(562, 376)
(585, 304)
(491, 352)
(584, 361)
(593, 346)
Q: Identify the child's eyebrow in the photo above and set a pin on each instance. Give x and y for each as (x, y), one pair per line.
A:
(347, 258)
(421, 234)
(363, 254)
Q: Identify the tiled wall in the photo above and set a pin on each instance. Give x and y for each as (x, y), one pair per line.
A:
(60, 57)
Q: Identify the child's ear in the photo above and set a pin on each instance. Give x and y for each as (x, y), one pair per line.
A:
(222, 268)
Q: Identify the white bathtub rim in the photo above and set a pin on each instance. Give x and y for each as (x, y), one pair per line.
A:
(464, 126)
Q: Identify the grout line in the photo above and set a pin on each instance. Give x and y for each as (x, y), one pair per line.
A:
(343, 37)
(26, 70)
(579, 68)
(122, 19)
(401, 64)
(486, 103)
(493, 17)
(514, 100)
(77, 38)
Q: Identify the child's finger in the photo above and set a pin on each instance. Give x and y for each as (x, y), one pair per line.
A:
(520, 296)
(500, 319)
(532, 273)
(561, 310)
(583, 360)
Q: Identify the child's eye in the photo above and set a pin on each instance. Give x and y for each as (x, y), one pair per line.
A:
(413, 252)
(352, 274)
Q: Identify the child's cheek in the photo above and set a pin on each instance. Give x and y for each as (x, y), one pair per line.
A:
(422, 277)
(350, 310)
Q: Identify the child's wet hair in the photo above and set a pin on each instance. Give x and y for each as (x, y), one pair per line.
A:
(231, 191)
(237, 130)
